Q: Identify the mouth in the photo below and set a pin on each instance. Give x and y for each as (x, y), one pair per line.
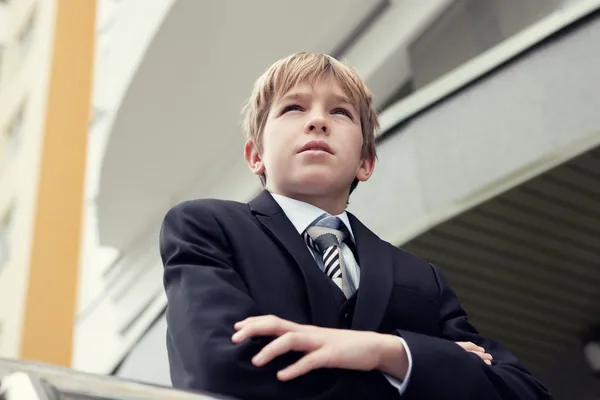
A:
(316, 146)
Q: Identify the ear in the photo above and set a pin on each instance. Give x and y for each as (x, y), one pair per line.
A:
(253, 157)
(365, 169)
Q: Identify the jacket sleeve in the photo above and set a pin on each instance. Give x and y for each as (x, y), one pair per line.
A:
(206, 297)
(441, 367)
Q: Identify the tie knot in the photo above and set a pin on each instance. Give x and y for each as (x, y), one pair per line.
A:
(324, 233)
(328, 221)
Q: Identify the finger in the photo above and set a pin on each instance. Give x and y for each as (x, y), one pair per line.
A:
(291, 341)
(240, 324)
(482, 355)
(274, 319)
(263, 327)
(470, 346)
(315, 360)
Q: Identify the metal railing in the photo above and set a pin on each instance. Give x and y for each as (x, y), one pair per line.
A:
(36, 381)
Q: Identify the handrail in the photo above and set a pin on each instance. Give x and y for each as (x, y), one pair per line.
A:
(65, 380)
(20, 385)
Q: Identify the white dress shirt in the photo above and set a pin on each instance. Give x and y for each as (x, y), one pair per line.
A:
(302, 215)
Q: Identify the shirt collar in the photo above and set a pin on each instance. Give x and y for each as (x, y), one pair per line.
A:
(302, 214)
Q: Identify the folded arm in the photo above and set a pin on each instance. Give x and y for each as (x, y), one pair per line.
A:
(206, 297)
(440, 366)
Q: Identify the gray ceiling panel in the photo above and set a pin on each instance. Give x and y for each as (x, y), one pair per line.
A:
(526, 264)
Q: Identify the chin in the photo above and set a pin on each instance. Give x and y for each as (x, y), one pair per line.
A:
(317, 183)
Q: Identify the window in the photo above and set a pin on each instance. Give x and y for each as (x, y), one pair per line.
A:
(26, 35)
(10, 138)
(97, 115)
(5, 228)
(15, 128)
(4, 31)
(1, 55)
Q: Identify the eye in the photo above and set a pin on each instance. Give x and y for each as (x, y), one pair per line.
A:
(342, 111)
(291, 107)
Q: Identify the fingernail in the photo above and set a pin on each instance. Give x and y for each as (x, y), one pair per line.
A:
(488, 362)
(257, 360)
(235, 336)
(281, 375)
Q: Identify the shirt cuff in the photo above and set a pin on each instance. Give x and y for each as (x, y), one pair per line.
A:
(401, 385)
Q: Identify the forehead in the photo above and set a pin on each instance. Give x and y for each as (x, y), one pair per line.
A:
(325, 86)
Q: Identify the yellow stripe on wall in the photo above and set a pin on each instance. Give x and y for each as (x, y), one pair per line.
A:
(52, 293)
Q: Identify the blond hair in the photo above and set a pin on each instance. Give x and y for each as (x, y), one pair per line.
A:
(306, 67)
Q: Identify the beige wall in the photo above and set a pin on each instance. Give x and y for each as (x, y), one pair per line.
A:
(40, 179)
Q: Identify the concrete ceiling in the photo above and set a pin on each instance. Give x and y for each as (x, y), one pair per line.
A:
(525, 263)
(181, 113)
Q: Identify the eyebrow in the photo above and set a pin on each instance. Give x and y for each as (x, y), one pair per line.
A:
(300, 96)
(342, 99)
(293, 96)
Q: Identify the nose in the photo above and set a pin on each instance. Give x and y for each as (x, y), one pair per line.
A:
(316, 124)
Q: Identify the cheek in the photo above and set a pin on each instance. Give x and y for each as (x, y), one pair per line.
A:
(353, 146)
(272, 134)
(278, 140)
(274, 151)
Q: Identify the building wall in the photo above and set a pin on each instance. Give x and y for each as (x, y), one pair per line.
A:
(23, 86)
(44, 114)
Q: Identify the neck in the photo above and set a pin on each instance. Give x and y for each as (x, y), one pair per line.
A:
(333, 204)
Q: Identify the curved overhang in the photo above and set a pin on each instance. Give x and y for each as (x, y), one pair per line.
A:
(179, 120)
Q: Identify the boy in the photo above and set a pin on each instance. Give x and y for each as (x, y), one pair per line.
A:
(289, 296)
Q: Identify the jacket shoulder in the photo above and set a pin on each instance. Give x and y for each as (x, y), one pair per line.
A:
(206, 207)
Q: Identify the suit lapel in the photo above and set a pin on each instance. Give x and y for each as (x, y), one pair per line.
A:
(322, 301)
(376, 277)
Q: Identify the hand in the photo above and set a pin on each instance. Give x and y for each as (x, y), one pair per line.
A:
(480, 351)
(324, 347)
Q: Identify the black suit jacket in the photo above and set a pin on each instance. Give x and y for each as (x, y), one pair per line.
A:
(225, 261)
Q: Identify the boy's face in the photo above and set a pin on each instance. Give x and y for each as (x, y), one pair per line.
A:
(312, 143)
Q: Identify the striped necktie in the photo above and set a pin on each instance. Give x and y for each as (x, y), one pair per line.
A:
(326, 237)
